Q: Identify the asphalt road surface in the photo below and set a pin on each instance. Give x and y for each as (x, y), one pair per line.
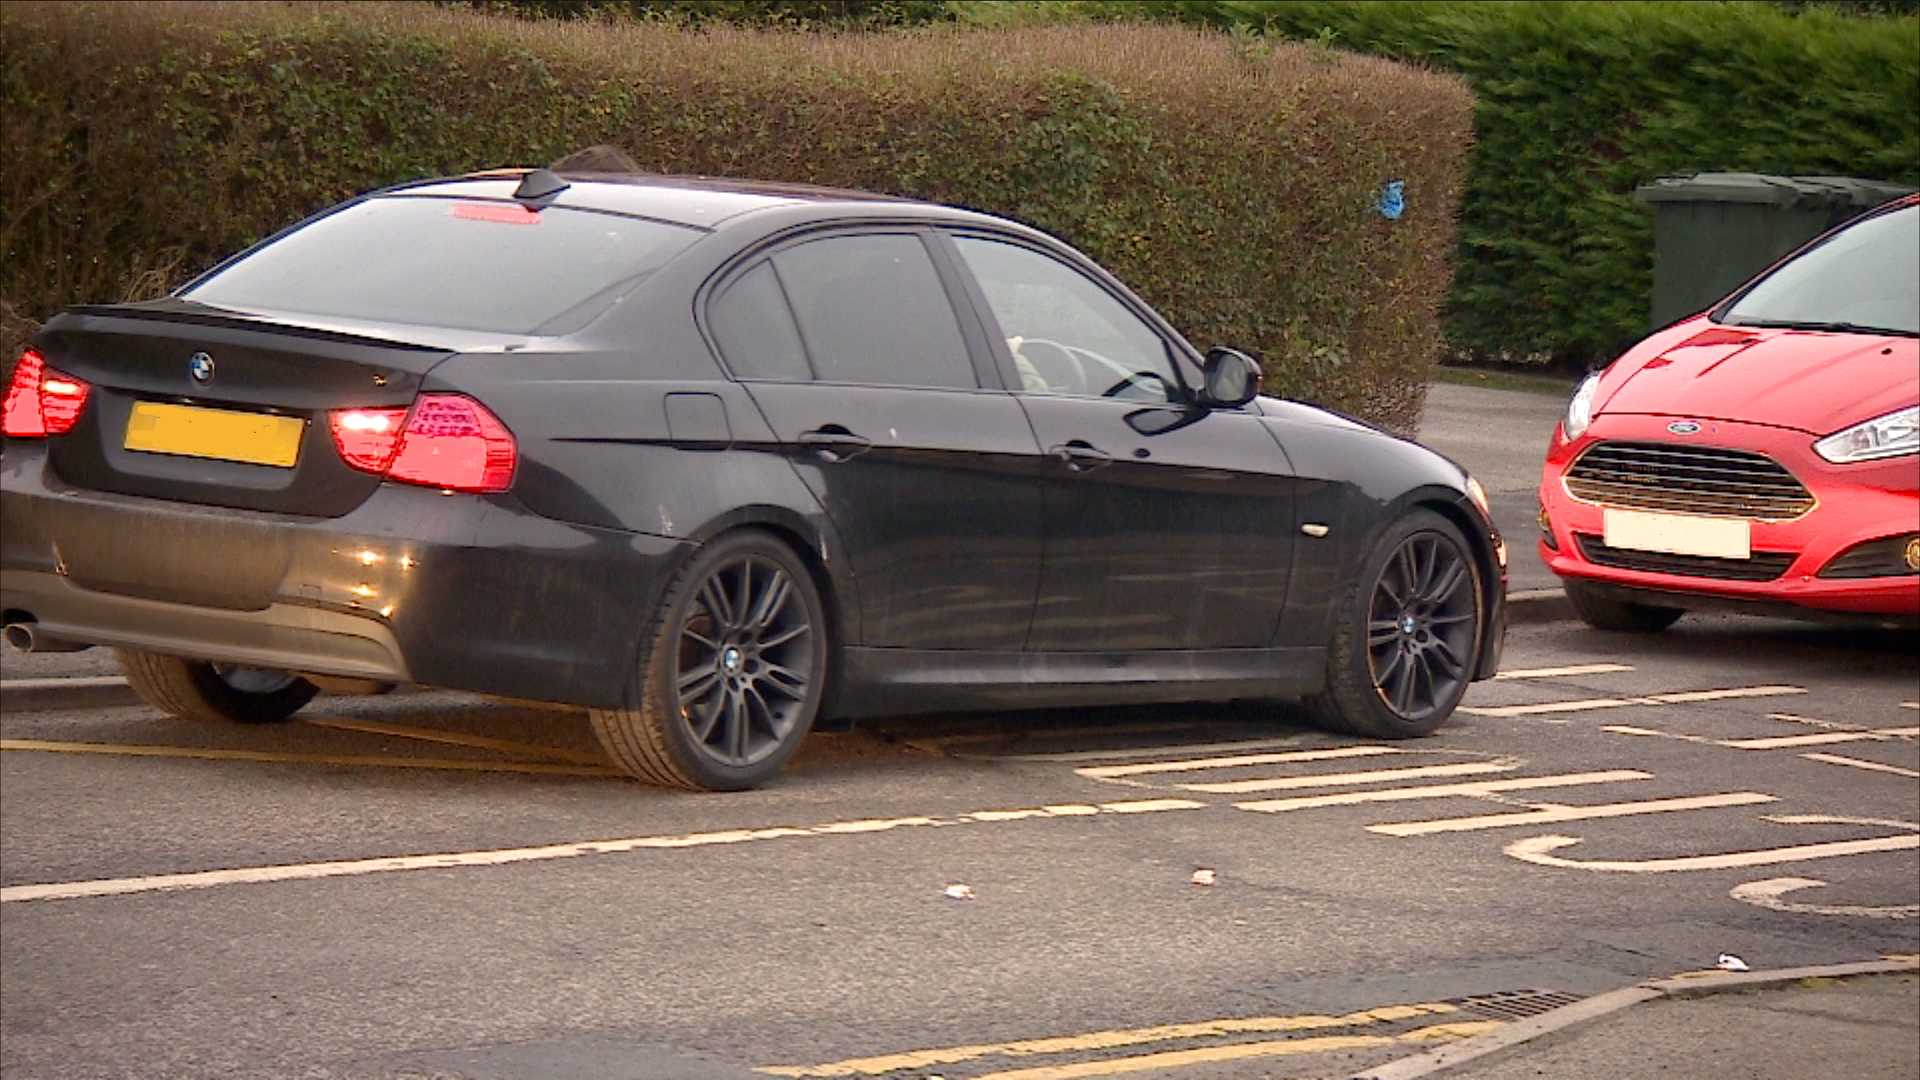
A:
(431, 885)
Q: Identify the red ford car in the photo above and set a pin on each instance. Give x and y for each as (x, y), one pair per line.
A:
(1764, 455)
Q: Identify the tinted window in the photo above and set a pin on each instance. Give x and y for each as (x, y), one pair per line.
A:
(871, 309)
(1867, 276)
(461, 264)
(1067, 334)
(754, 328)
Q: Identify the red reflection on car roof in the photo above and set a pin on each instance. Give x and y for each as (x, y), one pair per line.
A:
(501, 212)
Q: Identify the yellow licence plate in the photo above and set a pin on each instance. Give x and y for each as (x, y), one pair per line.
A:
(255, 438)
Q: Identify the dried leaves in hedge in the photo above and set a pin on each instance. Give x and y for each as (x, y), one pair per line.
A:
(1239, 190)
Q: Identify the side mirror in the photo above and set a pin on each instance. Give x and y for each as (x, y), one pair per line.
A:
(1229, 379)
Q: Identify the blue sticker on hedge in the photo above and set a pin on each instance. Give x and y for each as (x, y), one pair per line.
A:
(1393, 200)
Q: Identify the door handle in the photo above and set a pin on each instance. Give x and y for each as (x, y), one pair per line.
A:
(834, 443)
(1081, 456)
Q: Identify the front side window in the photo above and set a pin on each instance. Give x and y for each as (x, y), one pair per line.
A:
(1067, 334)
(1864, 278)
(871, 309)
(460, 264)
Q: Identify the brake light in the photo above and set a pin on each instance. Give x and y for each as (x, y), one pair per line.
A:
(367, 438)
(40, 400)
(445, 441)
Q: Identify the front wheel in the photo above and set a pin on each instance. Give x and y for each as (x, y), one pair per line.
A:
(732, 675)
(1407, 635)
(199, 690)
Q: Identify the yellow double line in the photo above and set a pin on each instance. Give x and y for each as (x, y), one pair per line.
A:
(1164, 1059)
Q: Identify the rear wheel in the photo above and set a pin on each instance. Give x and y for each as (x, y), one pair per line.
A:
(1601, 609)
(199, 690)
(733, 672)
(1405, 639)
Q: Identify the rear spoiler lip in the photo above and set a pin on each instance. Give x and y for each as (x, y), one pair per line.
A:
(412, 338)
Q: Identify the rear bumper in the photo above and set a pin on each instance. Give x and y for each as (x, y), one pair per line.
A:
(453, 591)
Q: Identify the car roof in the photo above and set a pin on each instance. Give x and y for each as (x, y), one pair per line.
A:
(700, 201)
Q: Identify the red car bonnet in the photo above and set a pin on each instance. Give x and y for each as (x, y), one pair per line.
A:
(1814, 381)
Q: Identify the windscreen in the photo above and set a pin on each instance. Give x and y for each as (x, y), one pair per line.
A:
(1866, 278)
(462, 264)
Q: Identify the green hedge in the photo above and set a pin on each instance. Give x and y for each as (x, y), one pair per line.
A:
(1234, 186)
(1582, 101)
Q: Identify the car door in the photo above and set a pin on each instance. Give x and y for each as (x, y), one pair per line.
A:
(1168, 525)
(850, 346)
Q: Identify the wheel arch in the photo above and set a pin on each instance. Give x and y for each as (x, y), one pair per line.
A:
(817, 548)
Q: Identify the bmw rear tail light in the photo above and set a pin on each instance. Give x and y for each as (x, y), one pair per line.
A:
(445, 440)
(42, 401)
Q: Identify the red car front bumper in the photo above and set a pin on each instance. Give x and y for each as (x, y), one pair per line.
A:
(1854, 551)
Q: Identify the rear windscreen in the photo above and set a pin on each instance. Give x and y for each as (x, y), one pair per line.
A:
(463, 264)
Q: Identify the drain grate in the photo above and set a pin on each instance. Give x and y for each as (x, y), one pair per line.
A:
(1514, 1004)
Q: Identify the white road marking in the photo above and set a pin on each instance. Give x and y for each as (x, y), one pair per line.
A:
(1549, 813)
(1237, 746)
(1108, 772)
(72, 890)
(1687, 697)
(1691, 696)
(1771, 742)
(1504, 711)
(1375, 776)
(1535, 849)
(1767, 894)
(1875, 766)
(1822, 739)
(1652, 733)
(1561, 672)
(1795, 718)
(1479, 789)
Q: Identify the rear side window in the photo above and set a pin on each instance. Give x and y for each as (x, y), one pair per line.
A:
(459, 264)
(754, 328)
(871, 309)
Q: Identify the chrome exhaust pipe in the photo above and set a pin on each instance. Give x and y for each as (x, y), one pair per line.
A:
(25, 638)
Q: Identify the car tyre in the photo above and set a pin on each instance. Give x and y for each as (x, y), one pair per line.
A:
(199, 690)
(732, 673)
(1406, 635)
(1601, 609)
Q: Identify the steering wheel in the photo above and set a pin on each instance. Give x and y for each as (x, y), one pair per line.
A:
(1055, 363)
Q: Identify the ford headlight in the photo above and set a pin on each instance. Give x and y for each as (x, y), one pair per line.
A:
(1891, 435)
(1580, 409)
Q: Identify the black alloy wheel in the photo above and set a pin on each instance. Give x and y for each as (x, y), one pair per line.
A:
(735, 671)
(1421, 623)
(1404, 649)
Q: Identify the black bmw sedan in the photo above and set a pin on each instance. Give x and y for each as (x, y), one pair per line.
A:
(714, 460)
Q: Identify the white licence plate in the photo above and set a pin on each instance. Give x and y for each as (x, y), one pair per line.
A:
(1679, 534)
